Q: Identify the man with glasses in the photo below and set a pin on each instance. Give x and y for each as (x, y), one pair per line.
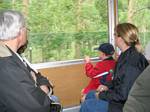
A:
(18, 92)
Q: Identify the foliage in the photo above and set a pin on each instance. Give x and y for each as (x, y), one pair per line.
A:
(55, 21)
(69, 29)
(60, 46)
(140, 16)
(141, 11)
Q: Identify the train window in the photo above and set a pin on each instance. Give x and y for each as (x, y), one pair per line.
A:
(138, 13)
(62, 29)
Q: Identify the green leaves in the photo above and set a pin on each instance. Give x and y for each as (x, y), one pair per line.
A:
(63, 29)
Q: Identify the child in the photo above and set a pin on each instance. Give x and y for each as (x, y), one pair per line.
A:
(100, 73)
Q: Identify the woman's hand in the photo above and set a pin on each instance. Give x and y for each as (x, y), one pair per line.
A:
(102, 88)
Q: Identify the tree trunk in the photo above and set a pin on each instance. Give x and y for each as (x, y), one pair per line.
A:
(13, 4)
(130, 10)
(1, 1)
(25, 7)
(78, 28)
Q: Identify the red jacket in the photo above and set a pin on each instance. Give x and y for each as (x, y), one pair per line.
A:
(100, 67)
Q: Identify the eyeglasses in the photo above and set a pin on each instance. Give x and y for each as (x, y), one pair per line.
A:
(26, 28)
(116, 35)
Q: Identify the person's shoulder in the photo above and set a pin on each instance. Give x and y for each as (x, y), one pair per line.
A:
(4, 51)
(109, 59)
(104, 62)
(140, 56)
(138, 59)
(136, 54)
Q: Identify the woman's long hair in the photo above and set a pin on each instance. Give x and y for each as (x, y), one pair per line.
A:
(129, 33)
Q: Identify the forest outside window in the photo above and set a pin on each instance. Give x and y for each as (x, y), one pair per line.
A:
(62, 29)
(138, 13)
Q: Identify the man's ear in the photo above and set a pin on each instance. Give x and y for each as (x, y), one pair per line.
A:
(22, 32)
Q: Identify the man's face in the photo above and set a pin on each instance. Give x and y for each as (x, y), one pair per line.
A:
(22, 38)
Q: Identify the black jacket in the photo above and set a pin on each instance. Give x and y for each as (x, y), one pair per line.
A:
(18, 92)
(129, 66)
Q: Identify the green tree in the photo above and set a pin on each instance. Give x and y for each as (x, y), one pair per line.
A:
(62, 29)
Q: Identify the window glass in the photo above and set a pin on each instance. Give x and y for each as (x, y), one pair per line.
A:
(138, 13)
(62, 29)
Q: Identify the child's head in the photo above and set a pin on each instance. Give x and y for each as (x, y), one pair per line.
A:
(106, 50)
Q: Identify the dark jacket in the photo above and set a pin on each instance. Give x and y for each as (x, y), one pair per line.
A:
(18, 92)
(129, 66)
(139, 96)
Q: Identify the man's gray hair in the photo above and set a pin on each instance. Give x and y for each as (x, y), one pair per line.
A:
(11, 23)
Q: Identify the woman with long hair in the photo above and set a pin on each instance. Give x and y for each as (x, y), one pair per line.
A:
(111, 96)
